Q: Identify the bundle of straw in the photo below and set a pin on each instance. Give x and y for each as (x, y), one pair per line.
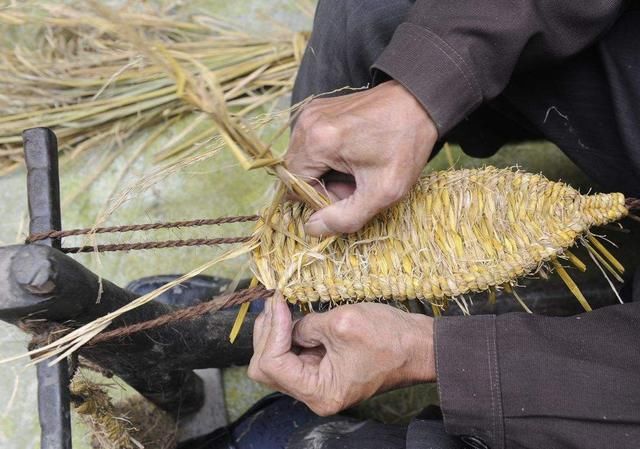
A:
(93, 79)
(130, 424)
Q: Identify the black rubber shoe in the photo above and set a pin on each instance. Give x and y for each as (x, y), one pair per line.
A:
(194, 291)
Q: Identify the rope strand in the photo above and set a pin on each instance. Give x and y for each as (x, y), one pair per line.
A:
(141, 227)
(221, 302)
(155, 245)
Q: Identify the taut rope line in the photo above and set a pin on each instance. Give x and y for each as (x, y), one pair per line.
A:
(46, 334)
(188, 313)
(155, 245)
(142, 227)
(148, 227)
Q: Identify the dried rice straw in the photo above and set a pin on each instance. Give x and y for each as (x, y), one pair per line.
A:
(134, 423)
(89, 85)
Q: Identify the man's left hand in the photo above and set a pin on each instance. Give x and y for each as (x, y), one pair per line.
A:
(336, 359)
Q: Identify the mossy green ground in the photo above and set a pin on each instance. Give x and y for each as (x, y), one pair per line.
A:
(213, 188)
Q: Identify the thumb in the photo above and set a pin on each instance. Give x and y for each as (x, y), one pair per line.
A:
(278, 338)
(309, 331)
(354, 212)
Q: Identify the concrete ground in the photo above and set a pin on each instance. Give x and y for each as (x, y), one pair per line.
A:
(216, 187)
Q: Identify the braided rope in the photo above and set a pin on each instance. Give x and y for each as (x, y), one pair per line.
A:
(46, 332)
(221, 302)
(155, 245)
(141, 227)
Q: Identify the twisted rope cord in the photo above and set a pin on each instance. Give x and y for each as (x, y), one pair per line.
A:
(141, 227)
(45, 333)
(155, 245)
(221, 302)
(42, 332)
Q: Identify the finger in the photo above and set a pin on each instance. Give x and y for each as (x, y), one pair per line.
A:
(278, 366)
(299, 161)
(312, 356)
(354, 212)
(310, 331)
(337, 191)
(258, 334)
(278, 337)
(314, 143)
(261, 329)
(339, 185)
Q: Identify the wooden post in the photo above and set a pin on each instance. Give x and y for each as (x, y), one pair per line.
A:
(43, 189)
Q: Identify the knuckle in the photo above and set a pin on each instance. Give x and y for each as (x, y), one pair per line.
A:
(316, 406)
(322, 410)
(323, 131)
(264, 366)
(290, 157)
(271, 367)
(300, 329)
(307, 117)
(392, 193)
(345, 322)
(316, 128)
(308, 394)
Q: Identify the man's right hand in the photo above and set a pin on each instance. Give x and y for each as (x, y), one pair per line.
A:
(333, 360)
(381, 137)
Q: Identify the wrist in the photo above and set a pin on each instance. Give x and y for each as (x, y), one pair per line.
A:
(403, 96)
(421, 366)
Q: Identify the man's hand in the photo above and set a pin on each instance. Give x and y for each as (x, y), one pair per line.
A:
(381, 137)
(335, 359)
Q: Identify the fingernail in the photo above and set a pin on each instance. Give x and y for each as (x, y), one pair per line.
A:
(317, 227)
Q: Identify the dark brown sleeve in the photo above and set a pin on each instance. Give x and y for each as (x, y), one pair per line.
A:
(455, 54)
(520, 380)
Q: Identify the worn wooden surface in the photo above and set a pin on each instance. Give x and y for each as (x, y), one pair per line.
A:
(42, 283)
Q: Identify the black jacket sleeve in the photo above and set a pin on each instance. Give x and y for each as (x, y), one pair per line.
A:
(455, 54)
(522, 381)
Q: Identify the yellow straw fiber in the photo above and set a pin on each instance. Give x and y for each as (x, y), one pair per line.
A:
(457, 232)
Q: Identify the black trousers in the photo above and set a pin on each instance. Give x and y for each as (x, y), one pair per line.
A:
(589, 105)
